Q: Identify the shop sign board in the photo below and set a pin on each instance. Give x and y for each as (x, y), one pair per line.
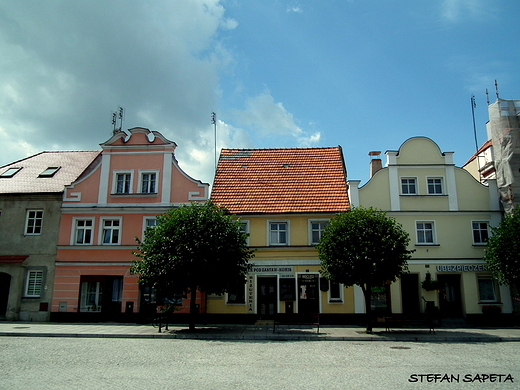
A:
(462, 268)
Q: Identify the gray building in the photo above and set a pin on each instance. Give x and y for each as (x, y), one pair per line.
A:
(31, 192)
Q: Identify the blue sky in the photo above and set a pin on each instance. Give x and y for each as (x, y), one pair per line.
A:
(363, 74)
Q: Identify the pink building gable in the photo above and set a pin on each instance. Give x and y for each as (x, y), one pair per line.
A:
(135, 178)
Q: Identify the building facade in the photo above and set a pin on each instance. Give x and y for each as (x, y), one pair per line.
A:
(135, 179)
(283, 199)
(31, 191)
(447, 214)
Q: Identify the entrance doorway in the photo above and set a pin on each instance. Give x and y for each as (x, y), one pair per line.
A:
(308, 293)
(5, 285)
(450, 301)
(266, 296)
(410, 293)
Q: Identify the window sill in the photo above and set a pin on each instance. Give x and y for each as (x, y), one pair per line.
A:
(335, 301)
(140, 194)
(480, 245)
(427, 245)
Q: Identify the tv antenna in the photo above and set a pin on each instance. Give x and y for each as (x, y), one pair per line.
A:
(473, 106)
(214, 122)
(496, 89)
(117, 116)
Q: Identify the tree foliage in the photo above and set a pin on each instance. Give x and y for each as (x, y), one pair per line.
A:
(503, 250)
(364, 247)
(193, 247)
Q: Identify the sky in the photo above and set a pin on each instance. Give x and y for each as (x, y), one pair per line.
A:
(363, 74)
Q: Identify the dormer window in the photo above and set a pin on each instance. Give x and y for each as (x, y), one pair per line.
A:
(49, 172)
(10, 172)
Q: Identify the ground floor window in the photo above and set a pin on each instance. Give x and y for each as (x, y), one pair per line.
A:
(335, 292)
(237, 294)
(487, 289)
(34, 284)
(91, 296)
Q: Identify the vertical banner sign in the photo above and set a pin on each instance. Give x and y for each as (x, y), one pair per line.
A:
(250, 293)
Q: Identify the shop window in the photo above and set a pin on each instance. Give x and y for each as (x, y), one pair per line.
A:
(408, 186)
(480, 232)
(83, 229)
(435, 186)
(316, 230)
(237, 294)
(91, 297)
(34, 284)
(425, 231)
(487, 289)
(278, 233)
(34, 222)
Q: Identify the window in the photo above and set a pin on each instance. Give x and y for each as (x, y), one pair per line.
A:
(91, 297)
(335, 292)
(480, 232)
(278, 233)
(148, 183)
(149, 223)
(244, 228)
(123, 183)
(435, 186)
(111, 231)
(237, 294)
(83, 231)
(408, 186)
(49, 172)
(34, 284)
(316, 230)
(10, 172)
(487, 289)
(33, 223)
(425, 232)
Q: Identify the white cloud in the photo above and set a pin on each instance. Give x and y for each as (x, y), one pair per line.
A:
(457, 10)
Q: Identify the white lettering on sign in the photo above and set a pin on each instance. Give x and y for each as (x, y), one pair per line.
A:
(462, 268)
(272, 270)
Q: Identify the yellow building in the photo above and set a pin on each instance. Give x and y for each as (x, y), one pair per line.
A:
(283, 198)
(447, 214)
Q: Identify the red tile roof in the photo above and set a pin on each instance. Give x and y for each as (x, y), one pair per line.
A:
(28, 179)
(310, 180)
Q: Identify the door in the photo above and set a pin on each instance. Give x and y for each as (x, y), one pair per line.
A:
(410, 293)
(5, 284)
(308, 293)
(266, 296)
(450, 302)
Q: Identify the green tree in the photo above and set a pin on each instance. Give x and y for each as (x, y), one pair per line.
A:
(503, 251)
(195, 247)
(364, 247)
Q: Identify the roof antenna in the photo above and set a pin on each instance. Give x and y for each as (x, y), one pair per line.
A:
(487, 96)
(214, 122)
(496, 89)
(115, 116)
(473, 106)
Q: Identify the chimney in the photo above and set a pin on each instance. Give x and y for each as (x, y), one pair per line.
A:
(375, 162)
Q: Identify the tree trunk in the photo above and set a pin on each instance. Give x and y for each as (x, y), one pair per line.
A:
(367, 292)
(193, 307)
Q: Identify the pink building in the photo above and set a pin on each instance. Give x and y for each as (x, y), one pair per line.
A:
(135, 178)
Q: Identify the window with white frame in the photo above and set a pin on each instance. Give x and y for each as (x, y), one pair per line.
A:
(408, 186)
(425, 232)
(91, 298)
(34, 222)
(111, 231)
(244, 228)
(435, 185)
(148, 184)
(480, 232)
(278, 233)
(316, 230)
(83, 229)
(149, 223)
(487, 289)
(335, 292)
(33, 285)
(123, 182)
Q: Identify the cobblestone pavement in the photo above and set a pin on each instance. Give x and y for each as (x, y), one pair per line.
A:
(81, 363)
(257, 332)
